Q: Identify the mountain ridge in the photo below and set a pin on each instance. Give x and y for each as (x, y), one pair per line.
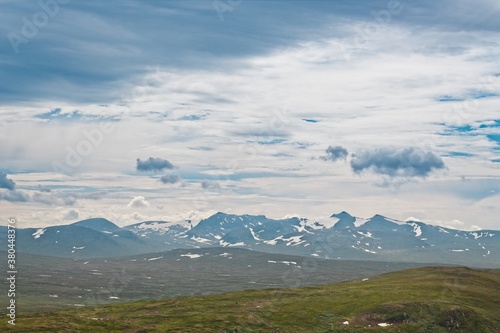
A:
(342, 237)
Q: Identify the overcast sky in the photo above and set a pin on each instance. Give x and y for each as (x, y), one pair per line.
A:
(142, 110)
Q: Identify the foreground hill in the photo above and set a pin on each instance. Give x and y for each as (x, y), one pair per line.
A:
(434, 299)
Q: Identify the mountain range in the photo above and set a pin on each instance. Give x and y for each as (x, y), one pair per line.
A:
(343, 236)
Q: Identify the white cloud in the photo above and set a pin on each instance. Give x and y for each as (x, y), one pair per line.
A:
(71, 214)
(138, 201)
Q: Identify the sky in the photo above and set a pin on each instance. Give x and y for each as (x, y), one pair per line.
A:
(173, 110)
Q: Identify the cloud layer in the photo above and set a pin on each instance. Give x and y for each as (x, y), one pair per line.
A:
(251, 113)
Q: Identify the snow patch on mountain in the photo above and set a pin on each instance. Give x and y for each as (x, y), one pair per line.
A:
(327, 222)
(156, 258)
(238, 244)
(192, 255)
(416, 229)
(317, 226)
(481, 234)
(288, 263)
(295, 240)
(443, 230)
(38, 233)
(156, 226)
(254, 235)
(359, 222)
(201, 240)
(272, 241)
(226, 244)
(77, 248)
(393, 220)
(367, 234)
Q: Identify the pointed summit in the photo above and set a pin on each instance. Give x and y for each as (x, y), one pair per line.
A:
(345, 220)
(379, 222)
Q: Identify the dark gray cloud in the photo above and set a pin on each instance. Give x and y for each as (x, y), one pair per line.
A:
(397, 162)
(153, 164)
(170, 179)
(6, 182)
(210, 185)
(191, 37)
(335, 153)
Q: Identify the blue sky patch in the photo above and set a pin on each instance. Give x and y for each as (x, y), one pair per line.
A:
(448, 98)
(58, 115)
(302, 145)
(271, 142)
(463, 128)
(482, 94)
(471, 95)
(192, 117)
(249, 175)
(282, 155)
(202, 148)
(491, 124)
(494, 137)
(459, 129)
(457, 154)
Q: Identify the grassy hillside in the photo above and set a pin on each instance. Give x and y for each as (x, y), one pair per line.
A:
(435, 299)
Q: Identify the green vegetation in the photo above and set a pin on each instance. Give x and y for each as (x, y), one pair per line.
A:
(51, 283)
(432, 299)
